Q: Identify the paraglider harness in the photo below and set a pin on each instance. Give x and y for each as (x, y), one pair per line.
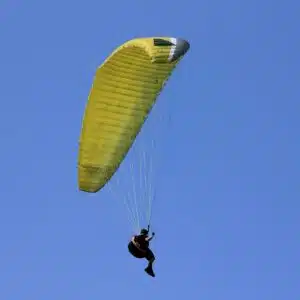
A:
(138, 252)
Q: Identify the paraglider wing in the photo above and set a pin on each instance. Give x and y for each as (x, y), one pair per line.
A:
(124, 90)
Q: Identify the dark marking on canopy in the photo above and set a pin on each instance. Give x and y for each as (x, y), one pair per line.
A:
(162, 42)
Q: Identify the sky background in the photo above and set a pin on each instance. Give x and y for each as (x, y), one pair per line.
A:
(227, 209)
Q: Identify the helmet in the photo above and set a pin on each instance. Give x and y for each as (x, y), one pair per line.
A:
(144, 231)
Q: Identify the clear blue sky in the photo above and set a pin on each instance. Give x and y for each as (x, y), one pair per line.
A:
(227, 214)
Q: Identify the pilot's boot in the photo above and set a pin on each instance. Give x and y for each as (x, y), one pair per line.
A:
(149, 270)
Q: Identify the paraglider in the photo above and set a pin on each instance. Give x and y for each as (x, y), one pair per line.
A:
(125, 88)
(139, 248)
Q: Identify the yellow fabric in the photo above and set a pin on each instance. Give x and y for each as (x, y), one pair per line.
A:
(125, 87)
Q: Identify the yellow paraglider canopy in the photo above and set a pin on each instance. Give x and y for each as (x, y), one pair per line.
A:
(124, 90)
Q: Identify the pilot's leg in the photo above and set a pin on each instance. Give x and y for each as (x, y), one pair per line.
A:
(151, 258)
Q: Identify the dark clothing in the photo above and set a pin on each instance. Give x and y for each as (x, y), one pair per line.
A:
(138, 253)
(141, 242)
